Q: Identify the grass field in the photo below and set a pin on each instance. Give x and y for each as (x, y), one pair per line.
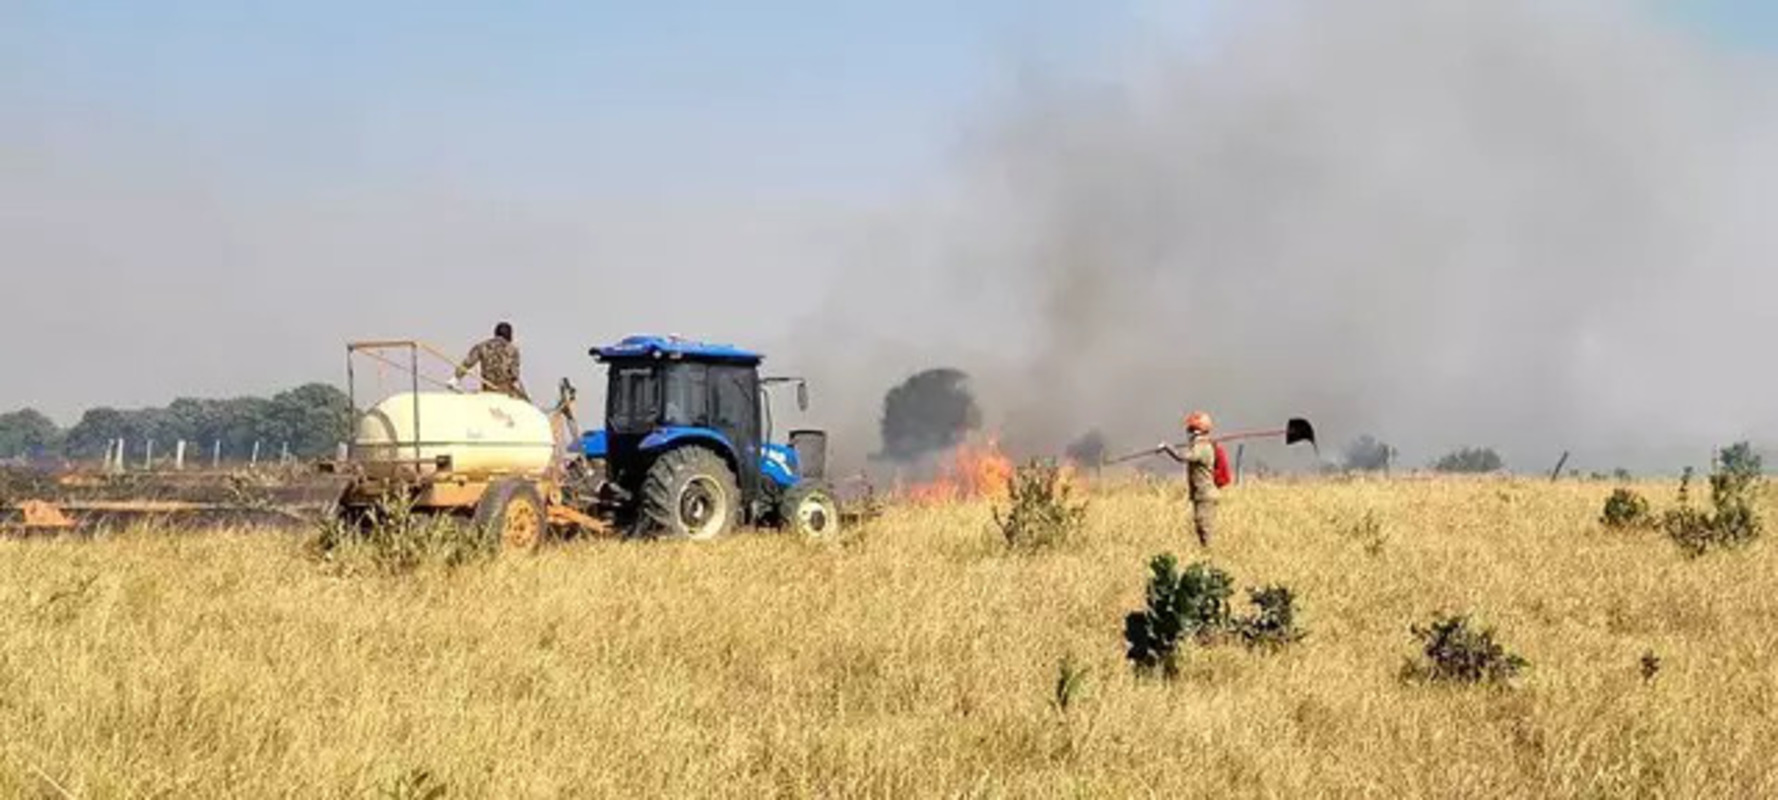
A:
(913, 659)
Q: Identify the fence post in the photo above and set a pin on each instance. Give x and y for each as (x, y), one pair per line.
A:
(179, 456)
(284, 453)
(216, 454)
(148, 456)
(254, 461)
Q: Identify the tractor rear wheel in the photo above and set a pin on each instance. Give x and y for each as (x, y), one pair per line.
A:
(690, 493)
(809, 509)
(512, 512)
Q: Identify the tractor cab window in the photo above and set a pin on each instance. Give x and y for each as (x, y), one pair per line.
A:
(687, 395)
(735, 401)
(634, 399)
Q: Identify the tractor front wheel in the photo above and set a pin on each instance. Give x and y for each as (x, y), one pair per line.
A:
(809, 509)
(512, 512)
(690, 493)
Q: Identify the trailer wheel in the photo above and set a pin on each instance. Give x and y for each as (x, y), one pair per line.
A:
(511, 511)
(690, 493)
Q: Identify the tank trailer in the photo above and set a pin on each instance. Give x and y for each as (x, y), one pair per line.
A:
(686, 450)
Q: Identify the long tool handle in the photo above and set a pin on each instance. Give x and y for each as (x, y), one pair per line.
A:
(1230, 437)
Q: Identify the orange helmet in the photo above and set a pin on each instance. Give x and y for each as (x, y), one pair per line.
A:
(1198, 421)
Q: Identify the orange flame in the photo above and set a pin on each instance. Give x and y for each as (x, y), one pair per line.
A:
(975, 471)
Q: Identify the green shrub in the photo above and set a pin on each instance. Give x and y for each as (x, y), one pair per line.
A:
(1070, 684)
(1179, 606)
(1041, 513)
(1626, 509)
(394, 537)
(1735, 483)
(1455, 652)
(1194, 606)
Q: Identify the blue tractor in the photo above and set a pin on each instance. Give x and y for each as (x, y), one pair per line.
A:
(687, 450)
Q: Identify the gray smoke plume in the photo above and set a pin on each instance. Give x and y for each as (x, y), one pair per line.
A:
(1532, 226)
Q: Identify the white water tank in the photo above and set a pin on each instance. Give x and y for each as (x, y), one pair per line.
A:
(481, 433)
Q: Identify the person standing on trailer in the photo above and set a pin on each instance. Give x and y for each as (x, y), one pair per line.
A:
(498, 359)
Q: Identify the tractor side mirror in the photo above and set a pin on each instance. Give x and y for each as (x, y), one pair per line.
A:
(802, 396)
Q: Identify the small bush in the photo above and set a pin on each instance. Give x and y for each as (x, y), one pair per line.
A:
(1273, 623)
(1626, 509)
(1041, 513)
(393, 537)
(1649, 665)
(1192, 604)
(1204, 593)
(415, 784)
(1455, 652)
(1733, 521)
(1470, 460)
(1070, 684)
(1368, 531)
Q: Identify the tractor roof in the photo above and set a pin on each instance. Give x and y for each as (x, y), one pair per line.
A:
(673, 347)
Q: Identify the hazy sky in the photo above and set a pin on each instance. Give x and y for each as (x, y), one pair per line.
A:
(209, 198)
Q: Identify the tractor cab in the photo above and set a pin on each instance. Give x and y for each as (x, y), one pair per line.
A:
(687, 444)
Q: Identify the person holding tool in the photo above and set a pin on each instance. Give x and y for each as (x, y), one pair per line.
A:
(1201, 475)
(1207, 466)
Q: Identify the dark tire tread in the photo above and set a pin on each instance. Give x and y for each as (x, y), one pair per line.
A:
(667, 478)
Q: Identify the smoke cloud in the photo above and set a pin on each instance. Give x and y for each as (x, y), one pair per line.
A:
(1532, 226)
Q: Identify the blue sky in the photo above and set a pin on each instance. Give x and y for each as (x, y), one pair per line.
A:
(797, 95)
(800, 94)
(166, 162)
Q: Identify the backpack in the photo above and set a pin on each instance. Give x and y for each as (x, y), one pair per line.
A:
(1223, 475)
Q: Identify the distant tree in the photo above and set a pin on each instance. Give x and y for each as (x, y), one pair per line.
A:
(1088, 450)
(929, 412)
(1740, 458)
(27, 432)
(95, 431)
(311, 419)
(1470, 460)
(1367, 454)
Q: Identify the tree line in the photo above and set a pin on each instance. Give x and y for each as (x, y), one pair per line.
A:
(310, 419)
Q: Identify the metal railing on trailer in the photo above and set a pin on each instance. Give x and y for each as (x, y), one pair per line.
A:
(375, 351)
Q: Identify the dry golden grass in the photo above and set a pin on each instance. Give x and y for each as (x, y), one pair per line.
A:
(915, 659)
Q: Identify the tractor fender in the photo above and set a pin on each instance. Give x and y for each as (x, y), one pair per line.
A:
(670, 438)
(593, 444)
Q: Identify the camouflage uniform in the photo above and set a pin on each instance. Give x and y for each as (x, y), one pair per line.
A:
(499, 360)
(1200, 474)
